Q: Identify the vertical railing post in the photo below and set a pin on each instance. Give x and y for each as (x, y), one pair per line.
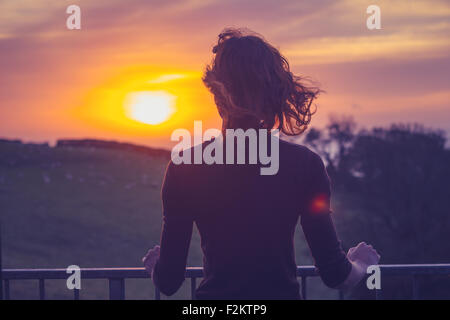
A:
(378, 294)
(117, 289)
(193, 287)
(157, 294)
(1, 269)
(415, 287)
(303, 287)
(7, 292)
(76, 294)
(41, 289)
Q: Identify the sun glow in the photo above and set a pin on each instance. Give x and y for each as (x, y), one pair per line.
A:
(146, 102)
(150, 107)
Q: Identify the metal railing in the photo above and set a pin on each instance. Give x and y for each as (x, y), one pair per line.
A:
(117, 276)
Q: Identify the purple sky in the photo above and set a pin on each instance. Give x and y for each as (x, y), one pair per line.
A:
(397, 74)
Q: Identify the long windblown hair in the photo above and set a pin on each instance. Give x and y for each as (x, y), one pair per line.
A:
(251, 80)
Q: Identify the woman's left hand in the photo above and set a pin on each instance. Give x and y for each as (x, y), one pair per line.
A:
(151, 258)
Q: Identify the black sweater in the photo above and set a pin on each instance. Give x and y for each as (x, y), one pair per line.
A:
(247, 223)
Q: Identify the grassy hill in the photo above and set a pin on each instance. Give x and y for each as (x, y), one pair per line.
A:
(89, 203)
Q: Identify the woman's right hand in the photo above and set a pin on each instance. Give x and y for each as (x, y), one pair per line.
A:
(361, 257)
(364, 255)
(150, 259)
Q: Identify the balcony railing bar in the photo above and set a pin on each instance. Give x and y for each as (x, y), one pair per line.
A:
(117, 276)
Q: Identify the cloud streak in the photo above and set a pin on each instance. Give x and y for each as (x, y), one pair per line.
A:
(47, 69)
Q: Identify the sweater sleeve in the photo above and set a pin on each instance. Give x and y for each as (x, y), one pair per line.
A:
(318, 227)
(169, 271)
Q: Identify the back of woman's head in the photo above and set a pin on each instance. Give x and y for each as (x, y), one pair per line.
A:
(250, 79)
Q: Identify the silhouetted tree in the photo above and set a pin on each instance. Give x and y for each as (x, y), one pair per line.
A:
(333, 143)
(391, 190)
(400, 177)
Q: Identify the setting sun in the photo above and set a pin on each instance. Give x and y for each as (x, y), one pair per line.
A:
(150, 107)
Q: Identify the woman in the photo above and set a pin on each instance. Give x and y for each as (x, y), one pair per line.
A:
(247, 220)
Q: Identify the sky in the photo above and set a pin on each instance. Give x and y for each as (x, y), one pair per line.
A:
(61, 83)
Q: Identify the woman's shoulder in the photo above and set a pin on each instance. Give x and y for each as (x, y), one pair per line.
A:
(298, 151)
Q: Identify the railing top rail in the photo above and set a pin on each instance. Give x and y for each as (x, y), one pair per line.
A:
(197, 272)
(415, 269)
(88, 273)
